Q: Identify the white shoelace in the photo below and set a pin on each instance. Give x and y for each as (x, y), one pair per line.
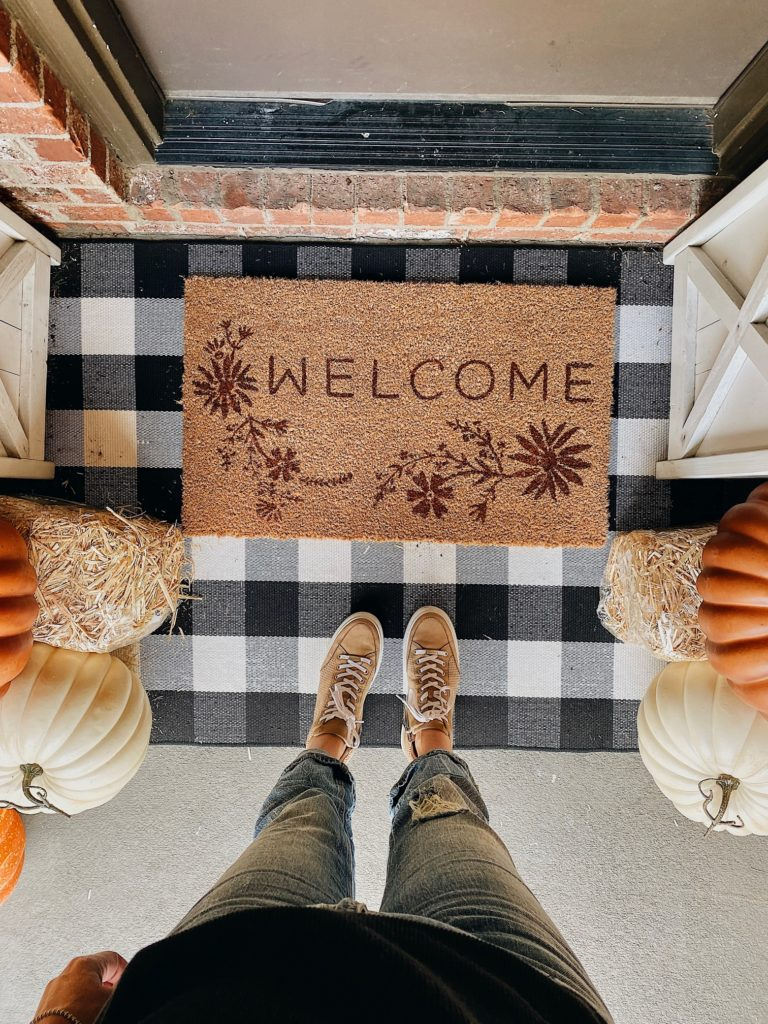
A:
(433, 693)
(343, 695)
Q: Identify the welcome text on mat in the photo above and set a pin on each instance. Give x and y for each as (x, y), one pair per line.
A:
(427, 380)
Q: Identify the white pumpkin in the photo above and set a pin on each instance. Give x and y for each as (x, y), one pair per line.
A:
(706, 749)
(74, 729)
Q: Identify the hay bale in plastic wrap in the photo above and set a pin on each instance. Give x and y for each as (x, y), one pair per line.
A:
(648, 595)
(104, 579)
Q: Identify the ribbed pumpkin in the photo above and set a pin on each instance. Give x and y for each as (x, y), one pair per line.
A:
(18, 608)
(734, 588)
(706, 750)
(12, 844)
(74, 729)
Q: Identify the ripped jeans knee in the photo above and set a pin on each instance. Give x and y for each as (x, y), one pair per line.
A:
(437, 798)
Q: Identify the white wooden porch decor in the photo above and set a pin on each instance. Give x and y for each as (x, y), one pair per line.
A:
(26, 257)
(718, 421)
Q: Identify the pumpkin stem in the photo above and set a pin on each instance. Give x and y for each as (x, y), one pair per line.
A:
(728, 786)
(36, 794)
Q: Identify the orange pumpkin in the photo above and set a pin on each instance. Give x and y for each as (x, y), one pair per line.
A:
(12, 843)
(734, 588)
(18, 607)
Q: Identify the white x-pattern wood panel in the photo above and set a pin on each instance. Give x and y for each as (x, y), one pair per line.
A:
(719, 382)
(25, 262)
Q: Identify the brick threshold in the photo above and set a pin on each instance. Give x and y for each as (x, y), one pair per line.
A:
(204, 202)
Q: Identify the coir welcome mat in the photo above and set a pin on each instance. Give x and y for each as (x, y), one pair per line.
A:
(475, 414)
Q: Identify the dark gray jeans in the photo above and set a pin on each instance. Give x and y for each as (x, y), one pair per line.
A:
(446, 864)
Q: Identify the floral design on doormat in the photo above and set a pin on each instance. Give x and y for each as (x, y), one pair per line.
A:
(252, 443)
(431, 478)
(224, 384)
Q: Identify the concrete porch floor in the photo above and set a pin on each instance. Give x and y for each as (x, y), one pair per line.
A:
(673, 928)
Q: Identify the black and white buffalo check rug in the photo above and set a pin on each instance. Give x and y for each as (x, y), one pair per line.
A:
(538, 670)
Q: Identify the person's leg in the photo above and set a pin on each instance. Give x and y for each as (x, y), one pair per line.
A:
(445, 861)
(302, 852)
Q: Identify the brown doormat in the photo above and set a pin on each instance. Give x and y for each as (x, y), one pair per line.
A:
(473, 414)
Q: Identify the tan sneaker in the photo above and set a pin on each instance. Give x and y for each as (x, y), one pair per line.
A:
(346, 676)
(431, 674)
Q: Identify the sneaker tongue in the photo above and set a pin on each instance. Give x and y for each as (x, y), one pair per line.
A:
(333, 727)
(428, 691)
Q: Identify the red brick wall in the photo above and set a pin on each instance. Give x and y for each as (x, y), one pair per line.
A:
(385, 205)
(58, 169)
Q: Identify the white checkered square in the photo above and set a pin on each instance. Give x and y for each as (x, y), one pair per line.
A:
(218, 558)
(633, 670)
(312, 652)
(534, 668)
(643, 334)
(325, 561)
(535, 566)
(219, 663)
(429, 563)
(107, 327)
(639, 445)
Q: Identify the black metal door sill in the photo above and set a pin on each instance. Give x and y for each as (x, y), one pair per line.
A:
(439, 136)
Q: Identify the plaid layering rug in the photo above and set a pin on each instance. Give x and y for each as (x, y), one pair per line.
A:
(538, 669)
